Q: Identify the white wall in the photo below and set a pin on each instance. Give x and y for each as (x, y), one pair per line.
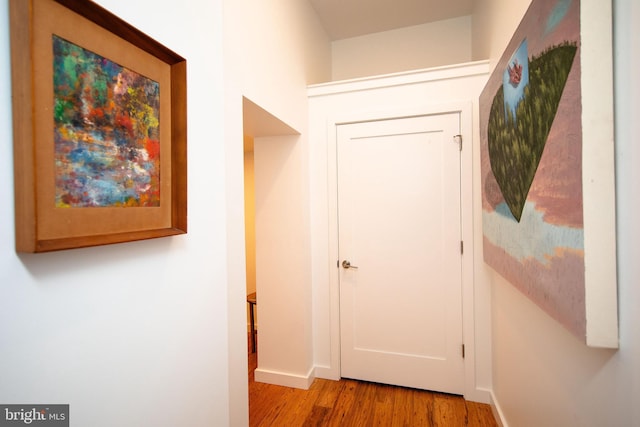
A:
(493, 22)
(121, 331)
(272, 51)
(283, 262)
(132, 334)
(542, 375)
(439, 43)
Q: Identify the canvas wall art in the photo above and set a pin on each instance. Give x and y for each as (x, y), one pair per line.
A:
(106, 131)
(537, 165)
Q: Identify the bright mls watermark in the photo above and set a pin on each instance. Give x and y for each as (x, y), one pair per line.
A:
(35, 415)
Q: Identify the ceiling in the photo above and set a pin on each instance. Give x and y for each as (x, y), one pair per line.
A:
(351, 18)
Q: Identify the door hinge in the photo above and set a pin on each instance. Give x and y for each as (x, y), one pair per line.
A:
(463, 351)
(461, 247)
(458, 139)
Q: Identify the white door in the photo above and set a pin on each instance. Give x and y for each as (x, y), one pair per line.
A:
(400, 252)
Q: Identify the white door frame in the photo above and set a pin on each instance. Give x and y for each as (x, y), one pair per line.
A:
(466, 194)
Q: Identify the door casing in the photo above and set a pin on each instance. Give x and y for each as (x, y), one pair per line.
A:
(467, 220)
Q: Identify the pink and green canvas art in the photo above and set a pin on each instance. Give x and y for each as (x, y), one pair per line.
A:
(106, 132)
(531, 160)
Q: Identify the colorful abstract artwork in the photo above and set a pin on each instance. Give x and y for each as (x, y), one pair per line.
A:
(106, 132)
(531, 158)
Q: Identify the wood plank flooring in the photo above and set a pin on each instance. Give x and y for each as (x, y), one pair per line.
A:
(358, 404)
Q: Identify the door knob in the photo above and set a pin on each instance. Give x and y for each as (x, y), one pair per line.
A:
(347, 264)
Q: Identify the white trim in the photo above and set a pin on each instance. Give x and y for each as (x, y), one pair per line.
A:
(465, 109)
(401, 94)
(498, 414)
(285, 379)
(398, 79)
(327, 372)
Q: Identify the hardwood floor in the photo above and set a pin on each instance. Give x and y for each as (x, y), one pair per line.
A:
(358, 403)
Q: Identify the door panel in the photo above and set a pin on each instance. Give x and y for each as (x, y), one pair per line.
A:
(399, 227)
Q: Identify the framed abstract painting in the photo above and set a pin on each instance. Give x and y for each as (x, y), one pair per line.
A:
(99, 120)
(547, 165)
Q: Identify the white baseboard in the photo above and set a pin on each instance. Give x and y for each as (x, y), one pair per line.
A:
(479, 395)
(497, 411)
(286, 379)
(327, 373)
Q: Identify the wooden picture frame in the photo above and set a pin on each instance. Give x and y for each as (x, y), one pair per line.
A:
(47, 217)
